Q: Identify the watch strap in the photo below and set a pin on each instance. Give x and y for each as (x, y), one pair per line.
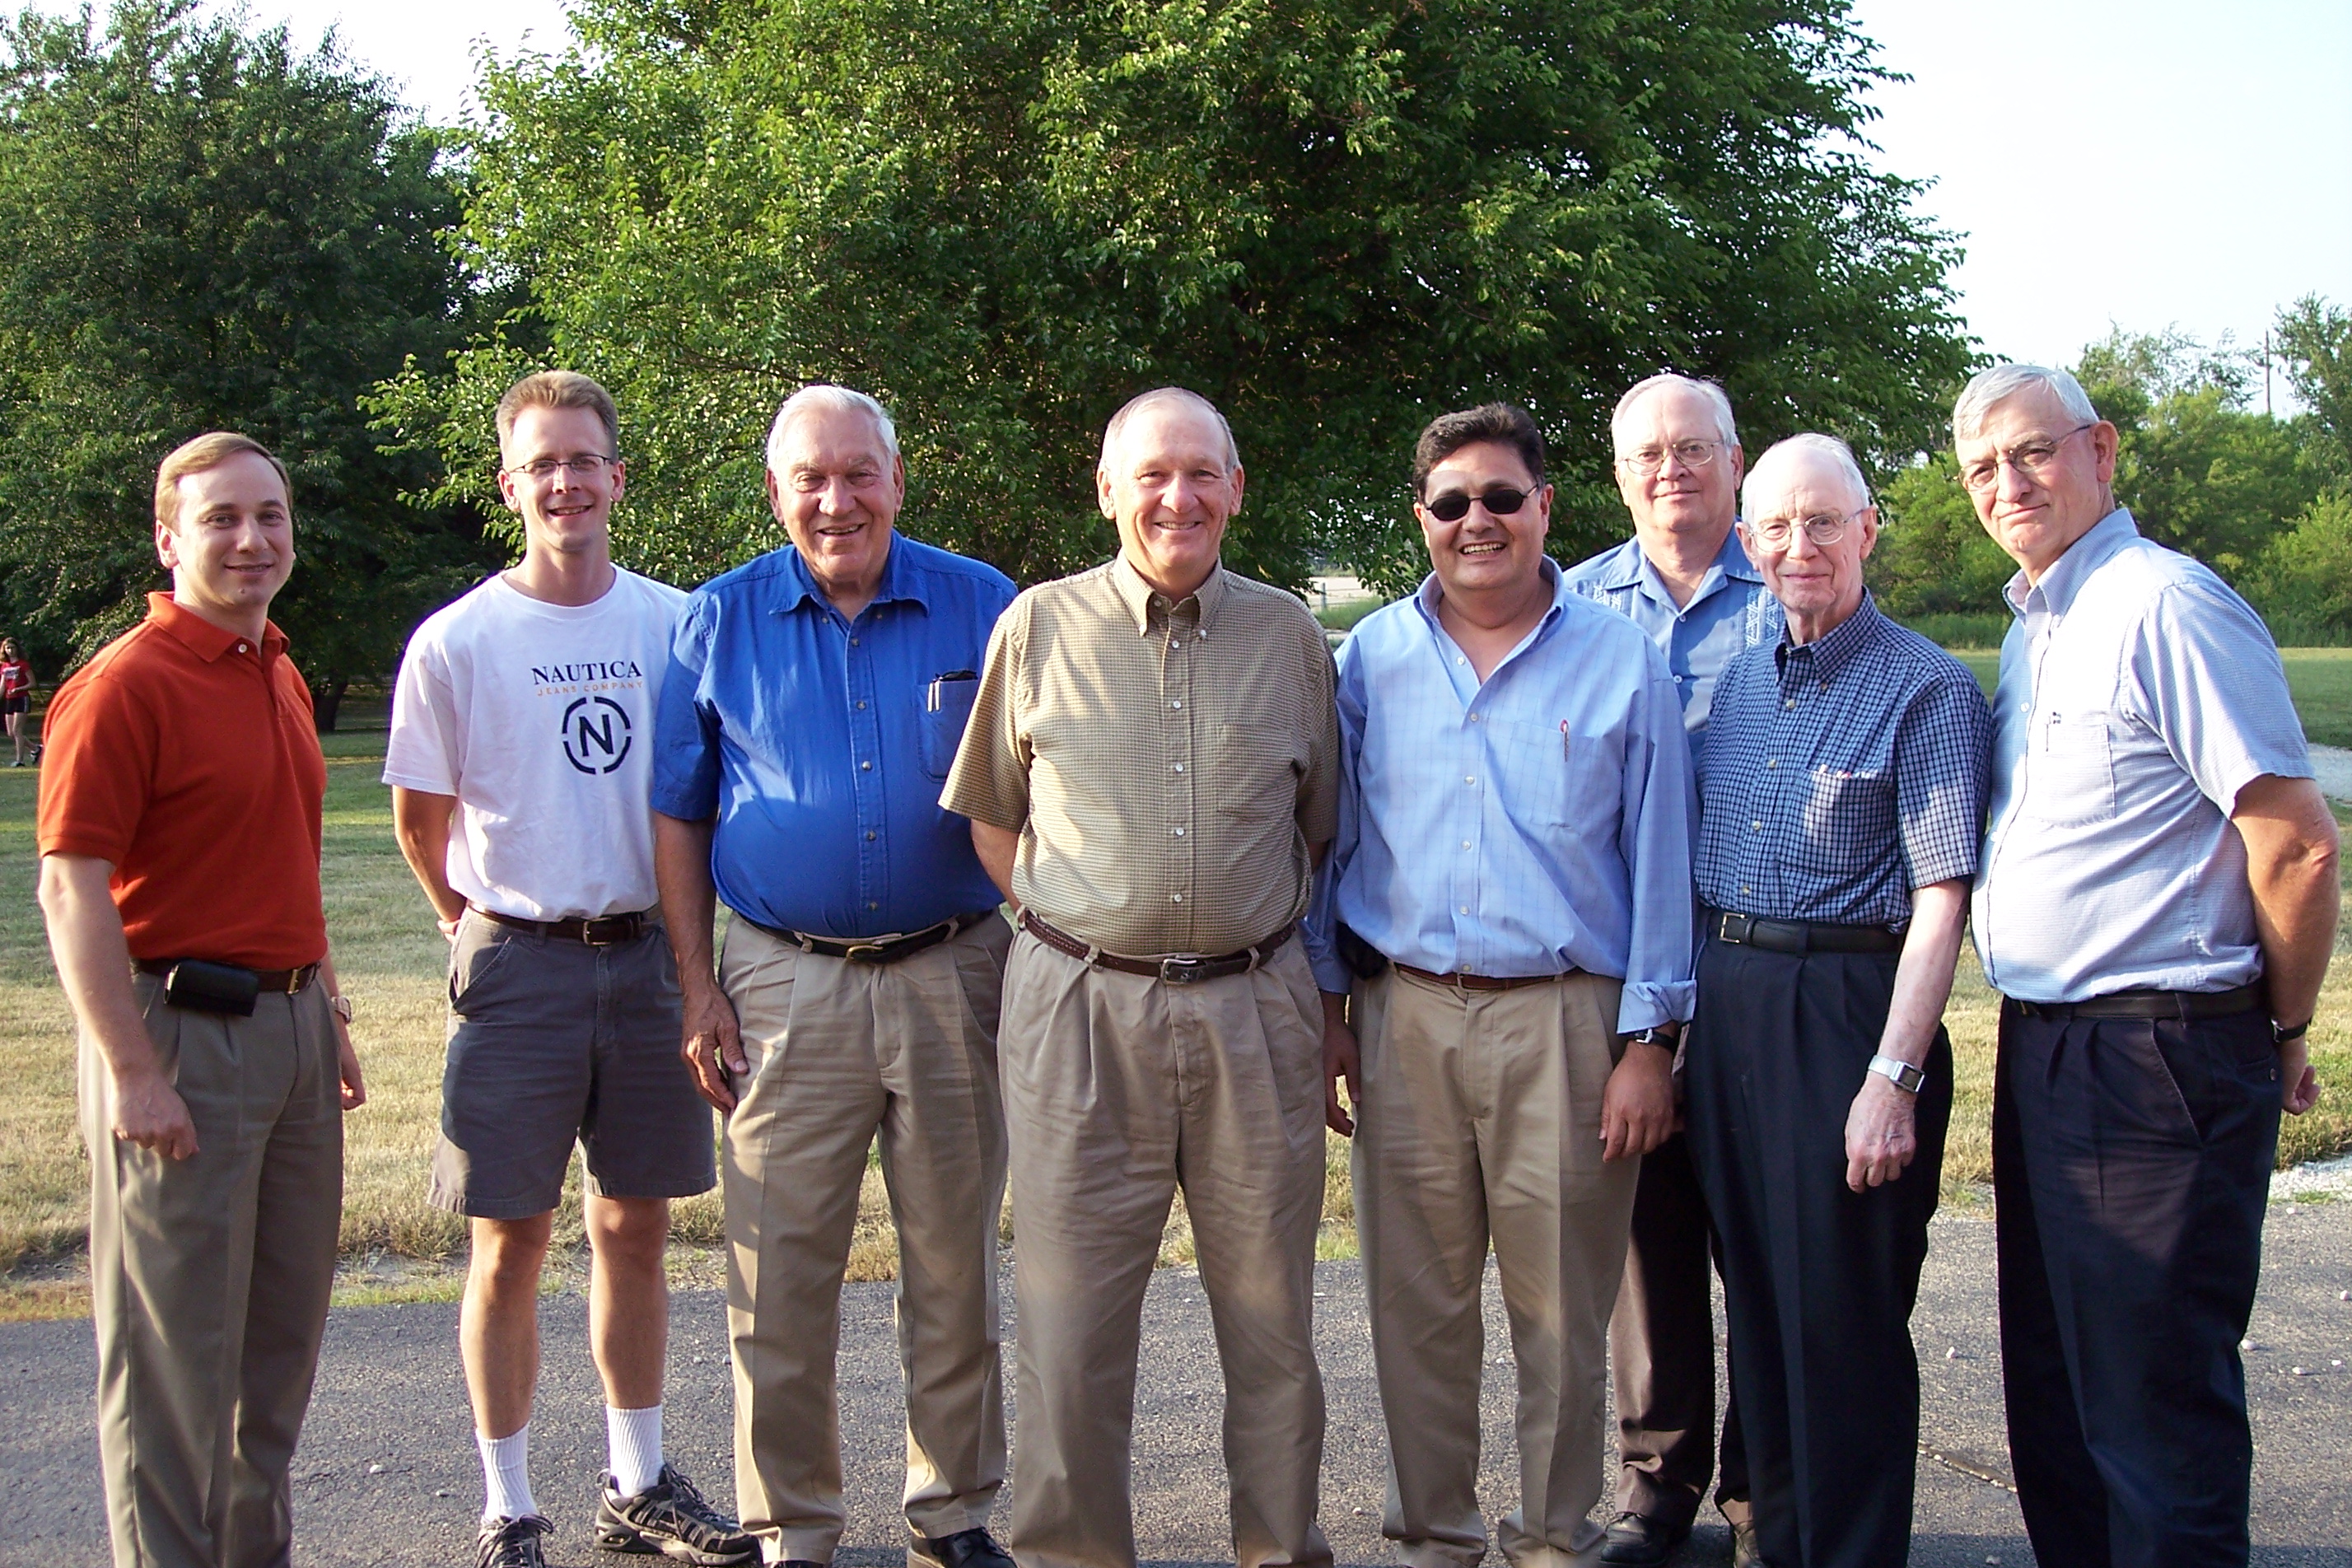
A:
(2284, 1035)
(1902, 1074)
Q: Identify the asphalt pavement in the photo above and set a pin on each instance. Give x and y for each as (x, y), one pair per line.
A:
(387, 1474)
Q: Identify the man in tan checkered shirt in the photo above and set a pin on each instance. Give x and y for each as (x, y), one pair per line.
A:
(1150, 775)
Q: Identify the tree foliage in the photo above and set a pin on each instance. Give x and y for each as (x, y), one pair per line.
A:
(1334, 218)
(203, 229)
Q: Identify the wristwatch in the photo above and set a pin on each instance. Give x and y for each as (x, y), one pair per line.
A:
(343, 1008)
(1655, 1035)
(2284, 1035)
(1901, 1074)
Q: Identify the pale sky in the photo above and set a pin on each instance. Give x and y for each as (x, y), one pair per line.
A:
(2149, 163)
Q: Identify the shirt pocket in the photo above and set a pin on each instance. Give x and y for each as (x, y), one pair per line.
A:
(2070, 769)
(1847, 822)
(1253, 771)
(1553, 777)
(947, 708)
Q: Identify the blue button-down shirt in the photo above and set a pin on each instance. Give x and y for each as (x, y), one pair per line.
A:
(821, 743)
(1841, 775)
(1731, 611)
(1536, 821)
(2138, 695)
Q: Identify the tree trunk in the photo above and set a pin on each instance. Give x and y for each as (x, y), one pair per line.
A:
(327, 698)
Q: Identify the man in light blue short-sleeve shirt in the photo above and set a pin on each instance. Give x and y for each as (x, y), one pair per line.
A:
(2157, 903)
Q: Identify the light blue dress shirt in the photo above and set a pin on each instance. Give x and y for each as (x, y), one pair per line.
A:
(1536, 821)
(2138, 695)
(1729, 613)
(821, 743)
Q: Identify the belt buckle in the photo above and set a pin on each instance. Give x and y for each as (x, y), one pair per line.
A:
(592, 932)
(862, 953)
(1182, 968)
(1735, 929)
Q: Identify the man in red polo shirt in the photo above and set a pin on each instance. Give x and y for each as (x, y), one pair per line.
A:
(179, 836)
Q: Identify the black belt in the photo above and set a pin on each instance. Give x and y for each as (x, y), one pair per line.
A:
(2146, 1004)
(1177, 968)
(277, 982)
(598, 930)
(889, 952)
(1460, 982)
(1798, 936)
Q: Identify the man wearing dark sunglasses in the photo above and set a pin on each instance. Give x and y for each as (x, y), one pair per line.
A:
(1503, 941)
(1685, 580)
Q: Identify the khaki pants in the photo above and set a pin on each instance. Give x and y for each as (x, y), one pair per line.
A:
(209, 1279)
(1119, 1088)
(1482, 1117)
(838, 1050)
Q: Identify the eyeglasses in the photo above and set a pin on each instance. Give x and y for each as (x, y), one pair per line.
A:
(1501, 500)
(1822, 528)
(1647, 460)
(578, 467)
(2034, 458)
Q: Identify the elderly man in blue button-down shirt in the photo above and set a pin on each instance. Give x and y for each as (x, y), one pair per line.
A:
(2157, 907)
(815, 700)
(1509, 900)
(1685, 579)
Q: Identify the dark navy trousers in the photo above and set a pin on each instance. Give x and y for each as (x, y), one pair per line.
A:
(2131, 1165)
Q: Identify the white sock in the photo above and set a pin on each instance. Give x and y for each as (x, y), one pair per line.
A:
(634, 1439)
(506, 1475)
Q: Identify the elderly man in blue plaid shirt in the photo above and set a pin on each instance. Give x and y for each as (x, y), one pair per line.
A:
(1842, 796)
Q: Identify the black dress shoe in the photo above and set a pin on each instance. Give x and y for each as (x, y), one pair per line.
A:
(966, 1549)
(1636, 1541)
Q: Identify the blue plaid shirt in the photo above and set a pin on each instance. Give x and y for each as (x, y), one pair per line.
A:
(1841, 775)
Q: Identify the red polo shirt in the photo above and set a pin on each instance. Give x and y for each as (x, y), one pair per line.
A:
(189, 759)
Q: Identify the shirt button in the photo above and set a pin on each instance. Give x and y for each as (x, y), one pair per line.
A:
(1179, 703)
(242, 648)
(1179, 767)
(872, 905)
(1791, 703)
(1474, 718)
(861, 703)
(1466, 844)
(1771, 762)
(1756, 825)
(1747, 889)
(1469, 778)
(1175, 898)
(869, 835)
(1465, 908)
(867, 766)
(853, 642)
(1180, 833)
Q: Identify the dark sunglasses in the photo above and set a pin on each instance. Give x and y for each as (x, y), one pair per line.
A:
(1454, 505)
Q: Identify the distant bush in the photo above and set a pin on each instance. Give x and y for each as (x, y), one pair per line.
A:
(1960, 631)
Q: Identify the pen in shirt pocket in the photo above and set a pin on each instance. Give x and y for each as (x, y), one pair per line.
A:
(1565, 745)
(939, 683)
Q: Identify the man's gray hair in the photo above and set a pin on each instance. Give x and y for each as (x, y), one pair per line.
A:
(826, 398)
(1717, 399)
(1158, 395)
(1829, 449)
(1990, 388)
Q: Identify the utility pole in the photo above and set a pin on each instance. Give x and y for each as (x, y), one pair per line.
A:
(2266, 373)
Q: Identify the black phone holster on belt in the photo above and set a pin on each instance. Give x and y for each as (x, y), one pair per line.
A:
(204, 987)
(1368, 961)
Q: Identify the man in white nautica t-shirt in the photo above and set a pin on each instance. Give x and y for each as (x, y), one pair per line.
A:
(521, 734)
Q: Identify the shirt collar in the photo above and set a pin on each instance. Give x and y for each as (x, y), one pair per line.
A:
(1425, 599)
(1136, 595)
(1629, 567)
(2066, 575)
(898, 582)
(201, 637)
(1836, 648)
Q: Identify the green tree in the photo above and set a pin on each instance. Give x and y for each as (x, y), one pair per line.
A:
(1933, 556)
(2314, 338)
(200, 228)
(1335, 217)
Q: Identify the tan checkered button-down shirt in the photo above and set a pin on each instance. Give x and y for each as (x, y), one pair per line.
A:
(1166, 765)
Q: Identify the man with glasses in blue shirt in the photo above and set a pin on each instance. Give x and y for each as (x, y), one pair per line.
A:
(814, 702)
(2157, 907)
(1841, 793)
(1509, 901)
(1686, 580)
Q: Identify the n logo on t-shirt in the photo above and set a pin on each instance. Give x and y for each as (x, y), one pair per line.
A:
(595, 734)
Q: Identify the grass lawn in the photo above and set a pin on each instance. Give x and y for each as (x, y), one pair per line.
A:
(391, 961)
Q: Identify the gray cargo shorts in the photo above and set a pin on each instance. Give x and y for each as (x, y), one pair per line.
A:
(552, 1043)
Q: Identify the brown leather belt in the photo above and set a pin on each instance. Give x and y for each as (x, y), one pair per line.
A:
(1798, 936)
(277, 982)
(2146, 1004)
(603, 930)
(1459, 981)
(1177, 968)
(889, 952)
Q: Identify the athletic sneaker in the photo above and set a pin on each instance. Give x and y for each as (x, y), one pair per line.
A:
(673, 1518)
(511, 1542)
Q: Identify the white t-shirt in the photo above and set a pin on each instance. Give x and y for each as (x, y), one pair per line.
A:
(539, 718)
